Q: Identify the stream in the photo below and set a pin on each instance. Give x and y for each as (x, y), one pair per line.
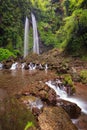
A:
(14, 81)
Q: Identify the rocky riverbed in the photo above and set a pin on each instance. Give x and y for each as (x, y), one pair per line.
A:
(28, 89)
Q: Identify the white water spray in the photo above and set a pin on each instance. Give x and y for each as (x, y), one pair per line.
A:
(26, 37)
(1, 66)
(14, 66)
(35, 35)
(63, 95)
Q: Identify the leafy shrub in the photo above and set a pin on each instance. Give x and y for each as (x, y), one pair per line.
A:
(68, 81)
(74, 33)
(28, 125)
(46, 34)
(5, 54)
(83, 76)
(17, 52)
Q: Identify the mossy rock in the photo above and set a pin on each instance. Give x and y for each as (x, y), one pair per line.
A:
(15, 116)
(83, 76)
(68, 82)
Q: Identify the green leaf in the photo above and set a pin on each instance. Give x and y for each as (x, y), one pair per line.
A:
(28, 125)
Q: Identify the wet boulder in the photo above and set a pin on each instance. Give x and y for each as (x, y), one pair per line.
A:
(43, 91)
(63, 68)
(55, 118)
(7, 64)
(52, 97)
(72, 109)
(32, 102)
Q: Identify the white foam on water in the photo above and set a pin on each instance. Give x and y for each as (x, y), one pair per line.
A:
(14, 66)
(63, 95)
(1, 66)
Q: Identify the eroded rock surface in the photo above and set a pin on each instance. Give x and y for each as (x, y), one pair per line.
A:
(55, 118)
(72, 109)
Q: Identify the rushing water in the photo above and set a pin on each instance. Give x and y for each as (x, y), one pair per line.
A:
(26, 37)
(14, 66)
(63, 95)
(35, 35)
(1, 66)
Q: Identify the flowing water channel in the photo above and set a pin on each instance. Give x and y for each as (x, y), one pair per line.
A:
(14, 81)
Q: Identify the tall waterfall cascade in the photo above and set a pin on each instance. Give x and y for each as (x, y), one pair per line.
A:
(26, 37)
(35, 35)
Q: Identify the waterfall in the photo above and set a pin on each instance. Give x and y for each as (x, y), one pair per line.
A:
(35, 35)
(26, 37)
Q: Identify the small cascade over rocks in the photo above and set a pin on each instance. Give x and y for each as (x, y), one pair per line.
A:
(33, 66)
(23, 65)
(32, 102)
(1, 66)
(17, 65)
(30, 66)
(59, 88)
(14, 66)
(46, 67)
(61, 91)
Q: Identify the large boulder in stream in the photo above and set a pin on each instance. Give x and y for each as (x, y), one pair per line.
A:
(43, 91)
(73, 110)
(55, 118)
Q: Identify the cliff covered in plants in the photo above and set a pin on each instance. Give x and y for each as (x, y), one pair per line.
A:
(61, 24)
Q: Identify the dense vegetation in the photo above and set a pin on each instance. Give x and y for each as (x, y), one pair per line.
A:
(61, 24)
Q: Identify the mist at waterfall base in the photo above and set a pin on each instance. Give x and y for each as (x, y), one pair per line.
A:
(63, 95)
(35, 36)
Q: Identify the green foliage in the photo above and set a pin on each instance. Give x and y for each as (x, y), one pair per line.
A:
(40, 4)
(12, 19)
(66, 4)
(28, 125)
(62, 24)
(46, 34)
(16, 52)
(84, 57)
(5, 54)
(83, 76)
(73, 35)
(19, 44)
(72, 5)
(68, 81)
(9, 45)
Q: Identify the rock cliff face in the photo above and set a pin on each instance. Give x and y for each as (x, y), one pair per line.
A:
(44, 48)
(55, 118)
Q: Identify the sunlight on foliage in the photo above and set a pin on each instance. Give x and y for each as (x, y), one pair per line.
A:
(28, 125)
(83, 76)
(5, 54)
(68, 81)
(42, 4)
